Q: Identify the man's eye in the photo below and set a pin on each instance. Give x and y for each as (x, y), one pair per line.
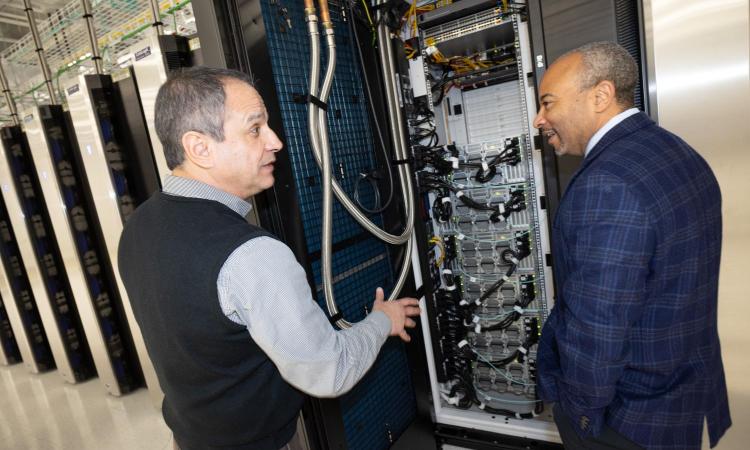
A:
(255, 130)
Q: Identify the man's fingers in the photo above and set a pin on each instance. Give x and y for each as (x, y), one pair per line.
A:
(408, 301)
(412, 311)
(408, 323)
(379, 295)
(405, 336)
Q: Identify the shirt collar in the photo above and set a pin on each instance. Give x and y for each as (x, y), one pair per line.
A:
(188, 187)
(613, 122)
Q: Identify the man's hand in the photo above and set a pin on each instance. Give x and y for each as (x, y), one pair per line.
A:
(399, 311)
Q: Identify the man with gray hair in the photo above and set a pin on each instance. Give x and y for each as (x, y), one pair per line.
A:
(630, 354)
(225, 310)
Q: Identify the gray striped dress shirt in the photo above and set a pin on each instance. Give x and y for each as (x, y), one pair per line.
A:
(263, 287)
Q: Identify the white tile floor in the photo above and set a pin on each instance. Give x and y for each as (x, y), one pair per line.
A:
(42, 412)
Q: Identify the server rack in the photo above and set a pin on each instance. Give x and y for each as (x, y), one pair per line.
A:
(19, 301)
(153, 58)
(9, 353)
(75, 223)
(22, 316)
(115, 186)
(41, 257)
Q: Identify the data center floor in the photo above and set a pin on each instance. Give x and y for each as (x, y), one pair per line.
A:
(42, 412)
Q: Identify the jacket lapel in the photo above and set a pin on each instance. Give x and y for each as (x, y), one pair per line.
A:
(624, 128)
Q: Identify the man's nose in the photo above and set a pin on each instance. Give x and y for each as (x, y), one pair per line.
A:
(273, 143)
(539, 119)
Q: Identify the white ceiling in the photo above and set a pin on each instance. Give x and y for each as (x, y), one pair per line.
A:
(13, 22)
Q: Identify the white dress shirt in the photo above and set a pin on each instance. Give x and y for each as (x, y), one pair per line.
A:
(611, 123)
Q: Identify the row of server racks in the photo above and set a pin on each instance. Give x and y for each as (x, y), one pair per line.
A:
(463, 79)
(70, 179)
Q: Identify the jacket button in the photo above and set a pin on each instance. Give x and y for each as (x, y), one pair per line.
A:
(583, 422)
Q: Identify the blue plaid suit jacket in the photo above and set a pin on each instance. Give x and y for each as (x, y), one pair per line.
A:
(632, 340)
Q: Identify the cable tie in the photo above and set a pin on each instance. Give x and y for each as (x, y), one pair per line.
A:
(451, 288)
(472, 279)
(446, 200)
(518, 309)
(462, 302)
(505, 278)
(458, 185)
(478, 302)
(460, 236)
(522, 350)
(463, 343)
(518, 416)
(478, 329)
(447, 272)
(317, 102)
(481, 405)
(460, 194)
(501, 207)
(514, 260)
(485, 167)
(454, 162)
(476, 319)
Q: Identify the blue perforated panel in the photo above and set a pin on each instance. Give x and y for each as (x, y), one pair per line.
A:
(380, 408)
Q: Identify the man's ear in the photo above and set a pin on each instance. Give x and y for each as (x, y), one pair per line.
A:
(604, 95)
(197, 149)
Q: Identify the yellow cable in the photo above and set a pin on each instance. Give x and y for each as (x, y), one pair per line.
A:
(367, 11)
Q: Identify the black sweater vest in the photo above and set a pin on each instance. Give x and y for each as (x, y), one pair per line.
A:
(220, 389)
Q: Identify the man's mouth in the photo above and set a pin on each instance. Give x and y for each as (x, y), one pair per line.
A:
(551, 134)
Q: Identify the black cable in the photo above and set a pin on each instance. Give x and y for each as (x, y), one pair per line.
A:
(374, 185)
(370, 102)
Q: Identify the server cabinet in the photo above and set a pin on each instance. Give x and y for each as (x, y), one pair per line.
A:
(559, 26)
(9, 353)
(75, 224)
(115, 183)
(486, 268)
(153, 58)
(18, 302)
(41, 257)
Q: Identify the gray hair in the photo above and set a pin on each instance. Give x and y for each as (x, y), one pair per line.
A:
(612, 62)
(192, 99)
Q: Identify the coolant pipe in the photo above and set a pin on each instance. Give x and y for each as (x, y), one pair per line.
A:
(39, 50)
(156, 15)
(8, 96)
(89, 17)
(317, 129)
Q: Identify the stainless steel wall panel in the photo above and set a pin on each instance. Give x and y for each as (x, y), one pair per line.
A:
(701, 62)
